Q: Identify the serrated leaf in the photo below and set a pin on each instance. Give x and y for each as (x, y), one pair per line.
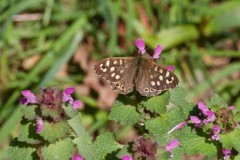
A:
(61, 150)
(28, 132)
(69, 111)
(21, 151)
(162, 124)
(231, 139)
(177, 96)
(54, 131)
(50, 112)
(216, 103)
(157, 103)
(76, 124)
(104, 144)
(195, 142)
(124, 114)
(29, 112)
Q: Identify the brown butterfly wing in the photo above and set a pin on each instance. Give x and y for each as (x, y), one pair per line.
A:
(153, 78)
(119, 72)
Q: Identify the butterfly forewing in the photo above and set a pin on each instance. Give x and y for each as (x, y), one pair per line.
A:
(153, 78)
(119, 73)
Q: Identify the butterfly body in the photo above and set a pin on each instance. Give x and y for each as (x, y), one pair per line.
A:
(141, 72)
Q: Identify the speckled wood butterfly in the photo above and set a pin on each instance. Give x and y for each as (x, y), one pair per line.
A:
(141, 72)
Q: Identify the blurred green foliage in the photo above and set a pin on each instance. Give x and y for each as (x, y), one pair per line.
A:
(200, 37)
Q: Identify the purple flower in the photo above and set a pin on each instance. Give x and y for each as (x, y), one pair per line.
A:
(226, 153)
(170, 68)
(231, 107)
(157, 51)
(195, 119)
(126, 157)
(39, 125)
(66, 97)
(171, 145)
(141, 46)
(215, 130)
(77, 104)
(202, 107)
(29, 97)
(67, 94)
(210, 117)
(76, 156)
(178, 126)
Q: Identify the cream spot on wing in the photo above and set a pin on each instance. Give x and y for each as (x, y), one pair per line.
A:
(161, 78)
(161, 71)
(120, 61)
(121, 71)
(117, 77)
(158, 83)
(151, 76)
(167, 81)
(152, 83)
(167, 74)
(155, 69)
(115, 62)
(104, 70)
(101, 65)
(108, 63)
(112, 69)
(113, 74)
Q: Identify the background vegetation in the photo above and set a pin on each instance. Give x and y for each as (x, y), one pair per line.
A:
(47, 42)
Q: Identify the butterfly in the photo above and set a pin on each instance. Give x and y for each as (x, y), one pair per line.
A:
(142, 72)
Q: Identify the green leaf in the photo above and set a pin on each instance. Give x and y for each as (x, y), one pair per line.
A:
(157, 103)
(216, 103)
(231, 140)
(195, 142)
(161, 125)
(76, 124)
(70, 111)
(226, 19)
(178, 96)
(63, 150)
(28, 132)
(182, 33)
(124, 114)
(21, 151)
(29, 112)
(104, 144)
(50, 112)
(54, 131)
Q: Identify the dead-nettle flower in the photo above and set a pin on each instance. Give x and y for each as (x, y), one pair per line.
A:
(170, 68)
(210, 116)
(29, 97)
(216, 130)
(178, 126)
(141, 46)
(157, 51)
(77, 156)
(171, 145)
(231, 107)
(126, 157)
(66, 97)
(226, 153)
(39, 125)
(198, 123)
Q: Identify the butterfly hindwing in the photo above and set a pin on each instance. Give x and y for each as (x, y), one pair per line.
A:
(153, 78)
(119, 73)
